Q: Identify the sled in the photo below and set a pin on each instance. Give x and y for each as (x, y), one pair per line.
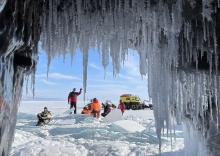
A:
(114, 115)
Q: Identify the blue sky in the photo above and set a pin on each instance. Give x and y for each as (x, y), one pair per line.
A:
(64, 76)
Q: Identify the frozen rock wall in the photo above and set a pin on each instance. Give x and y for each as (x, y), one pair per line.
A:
(19, 36)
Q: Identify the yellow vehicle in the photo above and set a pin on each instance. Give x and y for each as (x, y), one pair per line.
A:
(131, 101)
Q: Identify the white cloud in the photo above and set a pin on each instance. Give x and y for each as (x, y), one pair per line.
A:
(95, 66)
(47, 82)
(106, 86)
(57, 76)
(121, 79)
(128, 78)
(132, 66)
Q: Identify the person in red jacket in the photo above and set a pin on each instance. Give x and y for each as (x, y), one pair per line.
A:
(121, 106)
(95, 107)
(72, 99)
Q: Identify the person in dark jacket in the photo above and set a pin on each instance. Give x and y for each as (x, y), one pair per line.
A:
(107, 109)
(43, 117)
(72, 99)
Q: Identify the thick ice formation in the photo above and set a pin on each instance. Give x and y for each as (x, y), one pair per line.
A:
(178, 45)
(173, 38)
(19, 36)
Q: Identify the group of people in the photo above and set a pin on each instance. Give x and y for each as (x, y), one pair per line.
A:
(89, 108)
(92, 108)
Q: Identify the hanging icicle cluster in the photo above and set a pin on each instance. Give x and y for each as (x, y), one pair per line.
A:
(177, 41)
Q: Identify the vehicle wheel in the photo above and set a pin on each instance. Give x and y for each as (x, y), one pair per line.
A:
(133, 107)
(151, 107)
(127, 107)
(140, 106)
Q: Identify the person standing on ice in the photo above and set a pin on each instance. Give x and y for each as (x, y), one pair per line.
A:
(95, 107)
(121, 106)
(72, 99)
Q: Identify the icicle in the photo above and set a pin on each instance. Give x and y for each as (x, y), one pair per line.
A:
(85, 64)
(207, 9)
(2, 5)
(159, 33)
(204, 30)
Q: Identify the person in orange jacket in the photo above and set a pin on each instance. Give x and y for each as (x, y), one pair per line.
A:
(86, 109)
(95, 107)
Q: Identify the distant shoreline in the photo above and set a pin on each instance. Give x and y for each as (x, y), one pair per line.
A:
(52, 100)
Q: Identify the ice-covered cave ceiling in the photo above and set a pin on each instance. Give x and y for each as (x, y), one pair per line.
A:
(177, 41)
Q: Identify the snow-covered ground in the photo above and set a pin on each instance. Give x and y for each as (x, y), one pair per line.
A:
(77, 135)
